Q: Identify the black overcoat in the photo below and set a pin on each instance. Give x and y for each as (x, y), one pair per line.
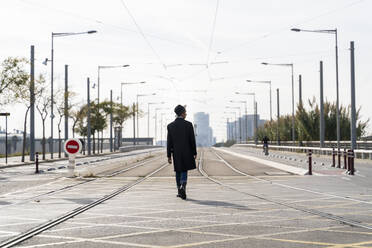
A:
(181, 143)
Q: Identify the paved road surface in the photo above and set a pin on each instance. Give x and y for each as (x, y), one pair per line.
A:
(232, 202)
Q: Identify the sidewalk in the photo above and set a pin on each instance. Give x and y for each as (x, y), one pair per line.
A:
(321, 163)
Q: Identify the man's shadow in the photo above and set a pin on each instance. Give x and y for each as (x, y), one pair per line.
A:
(220, 204)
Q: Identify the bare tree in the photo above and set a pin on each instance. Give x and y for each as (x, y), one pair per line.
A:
(60, 105)
(42, 106)
(21, 93)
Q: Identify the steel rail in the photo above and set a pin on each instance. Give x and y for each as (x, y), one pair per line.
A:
(52, 192)
(41, 228)
(288, 205)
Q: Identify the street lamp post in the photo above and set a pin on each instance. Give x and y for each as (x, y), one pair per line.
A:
(161, 128)
(293, 120)
(6, 135)
(156, 123)
(121, 89)
(265, 82)
(100, 67)
(52, 78)
(141, 95)
(121, 102)
(240, 118)
(148, 116)
(232, 133)
(246, 117)
(334, 32)
(254, 112)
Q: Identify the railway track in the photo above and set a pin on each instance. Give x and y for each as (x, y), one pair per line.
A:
(101, 175)
(341, 219)
(64, 217)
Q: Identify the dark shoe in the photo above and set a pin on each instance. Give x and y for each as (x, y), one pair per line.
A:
(183, 191)
(179, 192)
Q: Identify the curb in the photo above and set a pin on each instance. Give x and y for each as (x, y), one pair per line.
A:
(280, 166)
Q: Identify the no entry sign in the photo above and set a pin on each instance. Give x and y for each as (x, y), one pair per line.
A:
(72, 146)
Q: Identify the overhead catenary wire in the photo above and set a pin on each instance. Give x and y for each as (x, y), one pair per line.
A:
(212, 33)
(143, 34)
(287, 27)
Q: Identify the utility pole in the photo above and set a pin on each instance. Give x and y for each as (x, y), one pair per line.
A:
(255, 123)
(134, 124)
(32, 105)
(353, 111)
(300, 89)
(111, 145)
(321, 107)
(66, 104)
(88, 117)
(278, 116)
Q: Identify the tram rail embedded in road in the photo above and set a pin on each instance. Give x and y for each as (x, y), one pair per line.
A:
(341, 219)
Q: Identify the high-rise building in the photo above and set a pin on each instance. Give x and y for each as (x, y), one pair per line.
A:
(243, 128)
(203, 132)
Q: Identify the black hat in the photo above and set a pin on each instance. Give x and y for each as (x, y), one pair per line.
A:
(179, 110)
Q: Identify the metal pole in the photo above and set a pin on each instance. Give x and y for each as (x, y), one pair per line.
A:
(227, 129)
(6, 139)
(137, 118)
(134, 124)
(321, 107)
(121, 94)
(66, 104)
(271, 114)
(88, 118)
(98, 84)
(240, 126)
(236, 128)
(52, 100)
(353, 112)
(32, 106)
(98, 79)
(156, 126)
(337, 103)
(255, 124)
(278, 116)
(300, 89)
(246, 122)
(111, 144)
(148, 120)
(293, 121)
(161, 129)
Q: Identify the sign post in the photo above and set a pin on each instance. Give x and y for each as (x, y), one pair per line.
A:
(72, 147)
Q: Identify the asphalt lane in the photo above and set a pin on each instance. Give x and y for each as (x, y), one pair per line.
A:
(238, 211)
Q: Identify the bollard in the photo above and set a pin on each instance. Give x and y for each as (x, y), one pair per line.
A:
(345, 157)
(351, 167)
(333, 157)
(37, 162)
(338, 158)
(348, 161)
(310, 162)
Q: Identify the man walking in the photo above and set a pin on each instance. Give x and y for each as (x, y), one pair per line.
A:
(181, 144)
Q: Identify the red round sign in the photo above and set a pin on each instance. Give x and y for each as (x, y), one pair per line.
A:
(72, 146)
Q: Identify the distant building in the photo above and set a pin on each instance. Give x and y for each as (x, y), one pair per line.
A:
(203, 131)
(243, 128)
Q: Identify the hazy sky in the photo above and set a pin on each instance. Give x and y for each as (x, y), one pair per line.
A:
(160, 39)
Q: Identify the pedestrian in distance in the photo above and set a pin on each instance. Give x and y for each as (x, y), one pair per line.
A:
(182, 147)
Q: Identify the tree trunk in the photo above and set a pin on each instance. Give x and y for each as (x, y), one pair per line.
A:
(59, 143)
(94, 143)
(24, 135)
(102, 141)
(43, 140)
